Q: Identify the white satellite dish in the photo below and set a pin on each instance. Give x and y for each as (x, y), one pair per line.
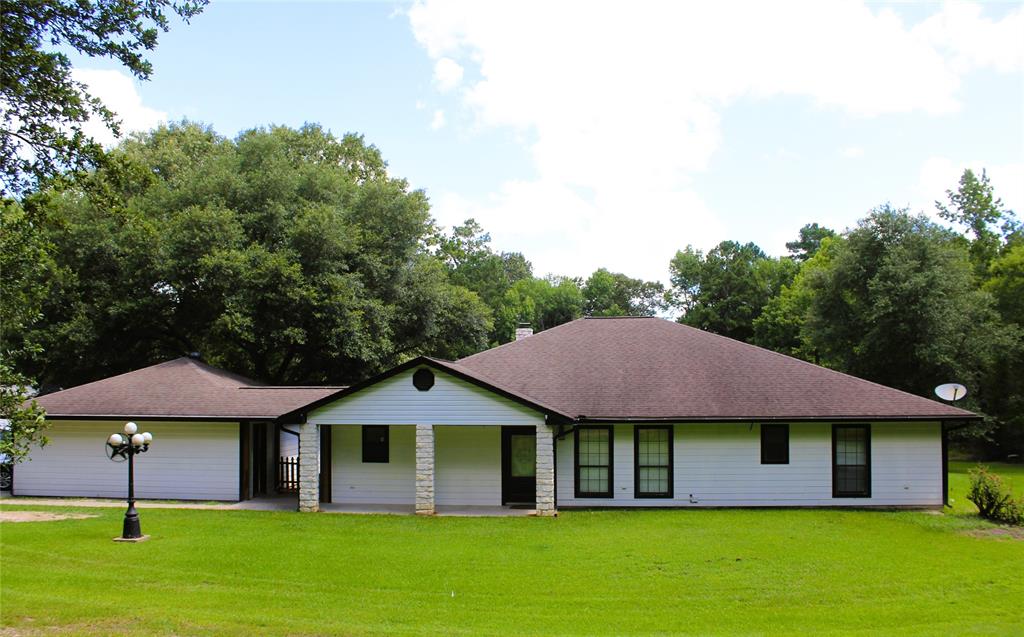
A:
(951, 391)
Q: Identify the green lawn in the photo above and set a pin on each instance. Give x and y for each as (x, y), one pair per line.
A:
(600, 572)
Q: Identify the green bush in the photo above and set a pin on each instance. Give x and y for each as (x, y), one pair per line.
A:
(993, 498)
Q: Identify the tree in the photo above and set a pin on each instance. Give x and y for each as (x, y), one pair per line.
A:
(809, 241)
(474, 265)
(25, 265)
(975, 206)
(726, 290)
(543, 303)
(44, 107)
(287, 255)
(896, 304)
(614, 294)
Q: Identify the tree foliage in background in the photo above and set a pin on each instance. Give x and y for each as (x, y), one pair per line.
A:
(993, 228)
(809, 242)
(25, 267)
(288, 255)
(615, 294)
(42, 107)
(726, 290)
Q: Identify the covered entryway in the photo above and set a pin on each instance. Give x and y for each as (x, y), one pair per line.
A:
(519, 466)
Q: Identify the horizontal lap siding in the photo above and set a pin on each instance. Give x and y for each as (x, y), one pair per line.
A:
(355, 481)
(187, 461)
(468, 470)
(720, 465)
(451, 401)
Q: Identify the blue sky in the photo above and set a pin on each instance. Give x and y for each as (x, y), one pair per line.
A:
(612, 134)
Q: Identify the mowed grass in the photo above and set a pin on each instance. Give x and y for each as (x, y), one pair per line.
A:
(585, 573)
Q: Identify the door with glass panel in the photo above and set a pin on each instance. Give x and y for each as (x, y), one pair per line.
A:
(518, 465)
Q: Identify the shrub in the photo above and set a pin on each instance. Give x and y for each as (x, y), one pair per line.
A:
(993, 498)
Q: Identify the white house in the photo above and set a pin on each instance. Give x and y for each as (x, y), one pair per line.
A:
(609, 412)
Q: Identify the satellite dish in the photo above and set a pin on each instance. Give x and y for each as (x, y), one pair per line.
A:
(112, 453)
(951, 391)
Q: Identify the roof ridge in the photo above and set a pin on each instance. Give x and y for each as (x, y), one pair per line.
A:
(814, 365)
(513, 342)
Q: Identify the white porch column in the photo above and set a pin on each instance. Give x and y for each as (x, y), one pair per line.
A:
(546, 470)
(424, 469)
(309, 468)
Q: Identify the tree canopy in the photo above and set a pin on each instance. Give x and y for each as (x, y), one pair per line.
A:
(288, 255)
(44, 108)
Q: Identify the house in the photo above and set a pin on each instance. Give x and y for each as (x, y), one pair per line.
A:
(598, 412)
(217, 434)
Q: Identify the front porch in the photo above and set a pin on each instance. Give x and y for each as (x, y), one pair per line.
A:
(462, 470)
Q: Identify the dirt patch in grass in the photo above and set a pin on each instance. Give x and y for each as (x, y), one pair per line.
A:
(40, 516)
(1013, 532)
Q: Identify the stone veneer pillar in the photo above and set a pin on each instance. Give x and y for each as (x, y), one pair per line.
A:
(309, 468)
(546, 470)
(424, 469)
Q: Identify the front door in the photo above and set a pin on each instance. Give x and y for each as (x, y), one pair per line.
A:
(518, 465)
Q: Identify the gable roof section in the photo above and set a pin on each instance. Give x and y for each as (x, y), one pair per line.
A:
(469, 375)
(183, 388)
(654, 369)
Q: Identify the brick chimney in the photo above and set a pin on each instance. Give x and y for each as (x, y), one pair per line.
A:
(523, 330)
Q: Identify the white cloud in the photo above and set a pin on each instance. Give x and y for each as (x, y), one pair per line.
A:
(852, 152)
(438, 121)
(939, 174)
(447, 74)
(620, 103)
(118, 93)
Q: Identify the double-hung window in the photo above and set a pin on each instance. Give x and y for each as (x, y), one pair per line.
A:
(652, 456)
(774, 444)
(593, 456)
(375, 443)
(851, 461)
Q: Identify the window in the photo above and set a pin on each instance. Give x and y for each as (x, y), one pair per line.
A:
(652, 457)
(774, 444)
(593, 462)
(851, 461)
(375, 443)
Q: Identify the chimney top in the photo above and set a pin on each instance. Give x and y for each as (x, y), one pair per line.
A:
(523, 330)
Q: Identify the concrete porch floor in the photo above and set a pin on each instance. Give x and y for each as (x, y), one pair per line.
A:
(274, 503)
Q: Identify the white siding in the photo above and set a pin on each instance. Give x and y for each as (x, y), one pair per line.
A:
(467, 472)
(187, 461)
(720, 465)
(468, 468)
(451, 401)
(392, 482)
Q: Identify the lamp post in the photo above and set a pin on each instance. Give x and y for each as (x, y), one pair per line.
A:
(127, 446)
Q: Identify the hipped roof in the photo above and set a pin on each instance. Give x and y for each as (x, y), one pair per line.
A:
(179, 388)
(650, 368)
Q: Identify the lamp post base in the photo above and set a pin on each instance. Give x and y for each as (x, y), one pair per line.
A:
(132, 529)
(141, 538)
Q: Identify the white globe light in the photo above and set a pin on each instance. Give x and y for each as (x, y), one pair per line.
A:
(130, 428)
(148, 437)
(138, 440)
(115, 440)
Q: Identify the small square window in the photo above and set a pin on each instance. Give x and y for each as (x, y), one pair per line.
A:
(774, 444)
(375, 443)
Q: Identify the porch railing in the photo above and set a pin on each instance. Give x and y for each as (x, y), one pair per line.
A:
(288, 474)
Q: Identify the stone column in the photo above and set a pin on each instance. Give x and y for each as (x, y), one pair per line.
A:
(424, 469)
(546, 470)
(309, 468)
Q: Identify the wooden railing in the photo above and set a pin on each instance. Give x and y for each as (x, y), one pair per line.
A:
(288, 474)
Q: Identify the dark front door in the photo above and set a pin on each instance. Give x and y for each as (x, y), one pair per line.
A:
(518, 465)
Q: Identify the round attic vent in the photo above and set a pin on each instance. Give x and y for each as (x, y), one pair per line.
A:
(423, 379)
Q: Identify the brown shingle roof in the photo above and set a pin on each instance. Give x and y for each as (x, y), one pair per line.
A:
(651, 368)
(179, 388)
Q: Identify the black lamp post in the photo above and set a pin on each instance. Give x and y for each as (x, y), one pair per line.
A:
(127, 446)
